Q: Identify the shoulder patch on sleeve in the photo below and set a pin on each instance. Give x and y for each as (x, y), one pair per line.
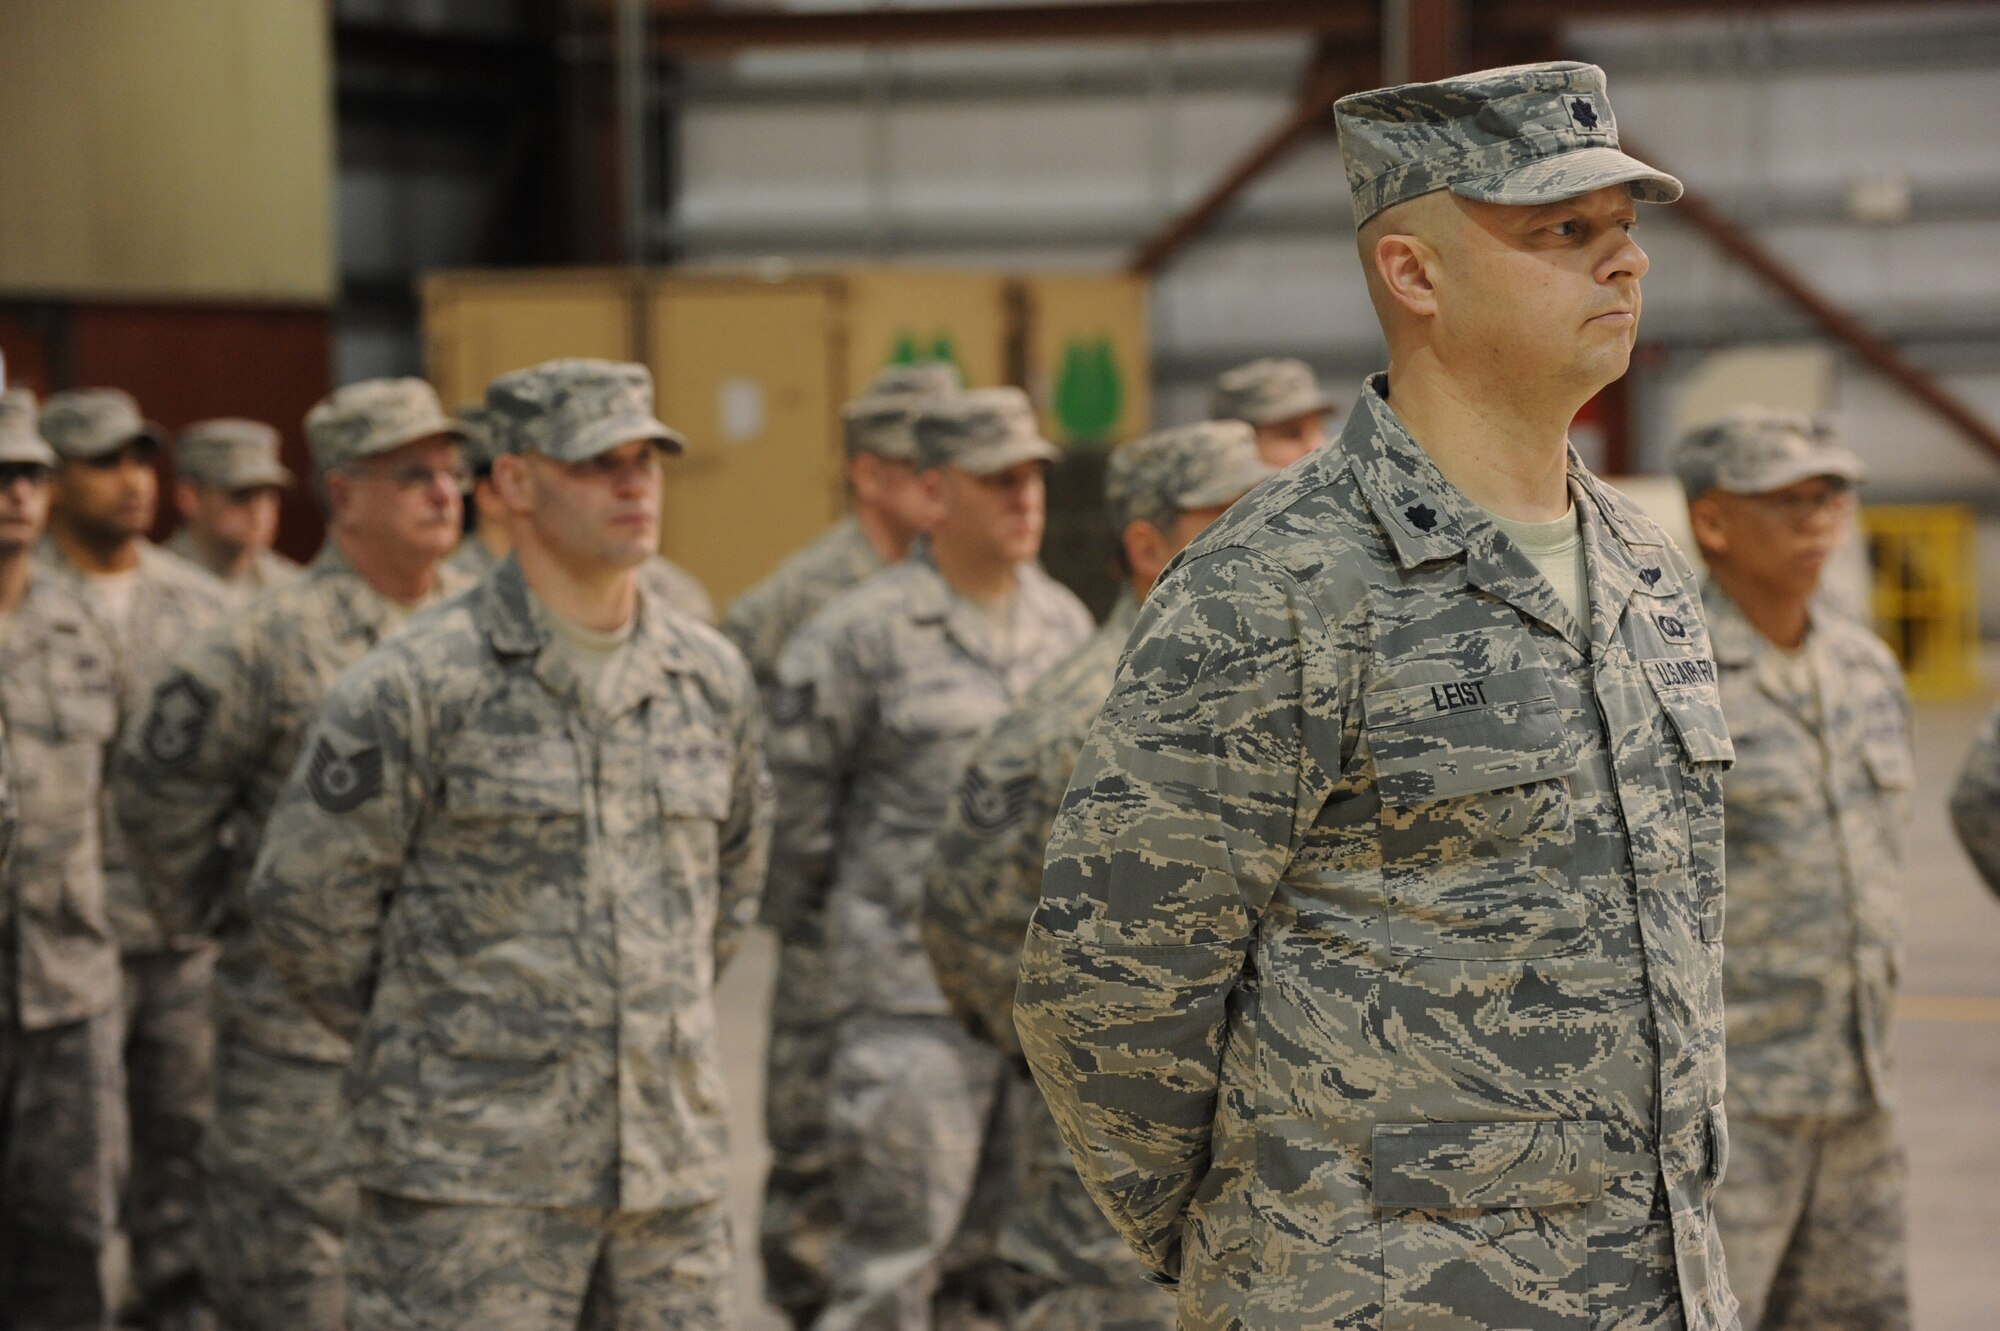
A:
(342, 784)
(178, 722)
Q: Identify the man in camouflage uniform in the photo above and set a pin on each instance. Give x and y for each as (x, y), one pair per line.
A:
(227, 485)
(1282, 401)
(1975, 803)
(986, 872)
(879, 700)
(62, 1082)
(1377, 978)
(490, 532)
(154, 604)
(196, 777)
(526, 832)
(890, 510)
(1814, 814)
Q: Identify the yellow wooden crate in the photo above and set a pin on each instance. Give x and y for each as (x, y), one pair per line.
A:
(1926, 594)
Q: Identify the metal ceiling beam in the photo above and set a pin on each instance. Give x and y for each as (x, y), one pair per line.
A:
(1745, 248)
(719, 33)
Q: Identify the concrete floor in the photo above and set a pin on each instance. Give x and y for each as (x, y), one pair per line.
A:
(1948, 1069)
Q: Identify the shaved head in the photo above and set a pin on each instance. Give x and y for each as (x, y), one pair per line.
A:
(1429, 218)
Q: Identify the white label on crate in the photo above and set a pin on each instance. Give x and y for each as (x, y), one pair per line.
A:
(740, 406)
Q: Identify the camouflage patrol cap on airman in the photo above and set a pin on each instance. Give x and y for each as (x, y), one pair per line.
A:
(1194, 466)
(91, 422)
(1755, 450)
(1266, 392)
(373, 416)
(985, 431)
(883, 424)
(482, 443)
(931, 378)
(230, 454)
(1526, 134)
(20, 440)
(572, 410)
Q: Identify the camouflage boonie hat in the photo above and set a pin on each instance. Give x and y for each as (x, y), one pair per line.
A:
(985, 432)
(91, 422)
(373, 416)
(929, 379)
(20, 441)
(572, 410)
(1195, 466)
(1265, 392)
(1755, 450)
(1525, 134)
(230, 454)
(482, 443)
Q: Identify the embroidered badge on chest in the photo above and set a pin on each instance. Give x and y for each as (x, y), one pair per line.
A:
(992, 807)
(342, 784)
(178, 722)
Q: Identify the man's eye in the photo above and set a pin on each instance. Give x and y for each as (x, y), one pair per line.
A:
(1566, 228)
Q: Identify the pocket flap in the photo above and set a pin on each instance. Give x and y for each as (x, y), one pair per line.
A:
(1465, 737)
(1889, 763)
(497, 777)
(1487, 1166)
(1694, 710)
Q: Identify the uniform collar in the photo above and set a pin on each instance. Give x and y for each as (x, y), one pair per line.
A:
(932, 600)
(517, 625)
(1427, 519)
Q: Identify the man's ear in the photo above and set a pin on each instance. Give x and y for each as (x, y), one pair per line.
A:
(185, 500)
(1710, 525)
(512, 483)
(1408, 269)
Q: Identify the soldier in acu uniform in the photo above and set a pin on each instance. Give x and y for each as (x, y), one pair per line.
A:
(986, 872)
(1814, 813)
(880, 698)
(525, 833)
(1282, 401)
(491, 531)
(1377, 978)
(227, 484)
(62, 1081)
(154, 605)
(890, 510)
(194, 784)
(1975, 803)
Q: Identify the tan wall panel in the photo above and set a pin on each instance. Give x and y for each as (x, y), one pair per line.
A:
(750, 372)
(894, 313)
(1088, 356)
(166, 148)
(481, 325)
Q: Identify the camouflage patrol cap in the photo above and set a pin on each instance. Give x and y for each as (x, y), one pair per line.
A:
(1266, 392)
(1525, 134)
(230, 454)
(373, 416)
(985, 432)
(482, 444)
(1195, 466)
(572, 410)
(928, 379)
(1755, 450)
(20, 441)
(883, 424)
(91, 422)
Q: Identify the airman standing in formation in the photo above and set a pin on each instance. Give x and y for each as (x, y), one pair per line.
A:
(986, 872)
(1377, 976)
(491, 533)
(1975, 803)
(63, 1131)
(525, 834)
(154, 604)
(891, 508)
(195, 782)
(1814, 812)
(227, 485)
(880, 698)
(1282, 401)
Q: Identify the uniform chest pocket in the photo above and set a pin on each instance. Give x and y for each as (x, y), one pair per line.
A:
(1698, 741)
(491, 778)
(1475, 823)
(693, 774)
